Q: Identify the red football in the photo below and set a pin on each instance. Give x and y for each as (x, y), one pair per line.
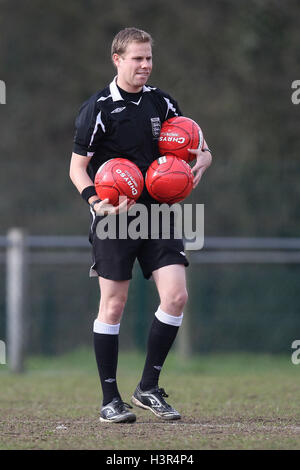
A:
(169, 179)
(119, 177)
(179, 134)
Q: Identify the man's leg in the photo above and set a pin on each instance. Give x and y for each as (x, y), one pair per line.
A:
(171, 285)
(106, 334)
(106, 345)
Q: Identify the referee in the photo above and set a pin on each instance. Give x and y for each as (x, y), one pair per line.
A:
(124, 120)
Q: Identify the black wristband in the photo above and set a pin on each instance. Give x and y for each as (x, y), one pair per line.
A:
(206, 149)
(88, 192)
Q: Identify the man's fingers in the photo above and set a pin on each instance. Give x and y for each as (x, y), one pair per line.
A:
(122, 204)
(125, 205)
(197, 177)
(131, 203)
(196, 180)
(196, 168)
(105, 208)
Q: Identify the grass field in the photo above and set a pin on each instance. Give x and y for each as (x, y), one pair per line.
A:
(227, 402)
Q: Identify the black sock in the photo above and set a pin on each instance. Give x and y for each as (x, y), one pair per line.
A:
(106, 350)
(160, 340)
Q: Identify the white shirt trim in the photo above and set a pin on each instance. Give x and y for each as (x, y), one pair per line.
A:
(116, 95)
(170, 107)
(97, 123)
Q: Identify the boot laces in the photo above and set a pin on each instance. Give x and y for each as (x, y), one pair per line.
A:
(162, 392)
(122, 406)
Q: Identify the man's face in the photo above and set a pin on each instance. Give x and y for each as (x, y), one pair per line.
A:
(134, 66)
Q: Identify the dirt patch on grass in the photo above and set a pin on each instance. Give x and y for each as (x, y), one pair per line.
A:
(148, 433)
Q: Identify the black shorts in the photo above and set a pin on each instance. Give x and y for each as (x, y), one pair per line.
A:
(114, 258)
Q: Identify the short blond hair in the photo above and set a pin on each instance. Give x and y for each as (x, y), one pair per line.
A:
(126, 36)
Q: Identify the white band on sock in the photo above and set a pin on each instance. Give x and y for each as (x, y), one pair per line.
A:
(168, 319)
(105, 328)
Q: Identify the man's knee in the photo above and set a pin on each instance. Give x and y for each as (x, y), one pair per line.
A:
(111, 308)
(175, 301)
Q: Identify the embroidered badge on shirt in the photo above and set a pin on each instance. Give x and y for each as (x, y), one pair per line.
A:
(156, 125)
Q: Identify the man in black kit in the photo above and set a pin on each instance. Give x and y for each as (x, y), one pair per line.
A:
(121, 121)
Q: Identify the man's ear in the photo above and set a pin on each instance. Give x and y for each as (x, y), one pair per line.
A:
(116, 59)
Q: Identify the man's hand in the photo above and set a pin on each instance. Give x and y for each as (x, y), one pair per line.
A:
(204, 160)
(105, 208)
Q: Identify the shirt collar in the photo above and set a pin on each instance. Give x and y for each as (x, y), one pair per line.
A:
(116, 95)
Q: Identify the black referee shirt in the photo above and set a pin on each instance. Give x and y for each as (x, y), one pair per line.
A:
(113, 123)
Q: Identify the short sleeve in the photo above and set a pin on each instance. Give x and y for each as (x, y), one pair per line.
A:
(90, 127)
(172, 107)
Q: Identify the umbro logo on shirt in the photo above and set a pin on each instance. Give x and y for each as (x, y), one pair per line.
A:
(118, 110)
